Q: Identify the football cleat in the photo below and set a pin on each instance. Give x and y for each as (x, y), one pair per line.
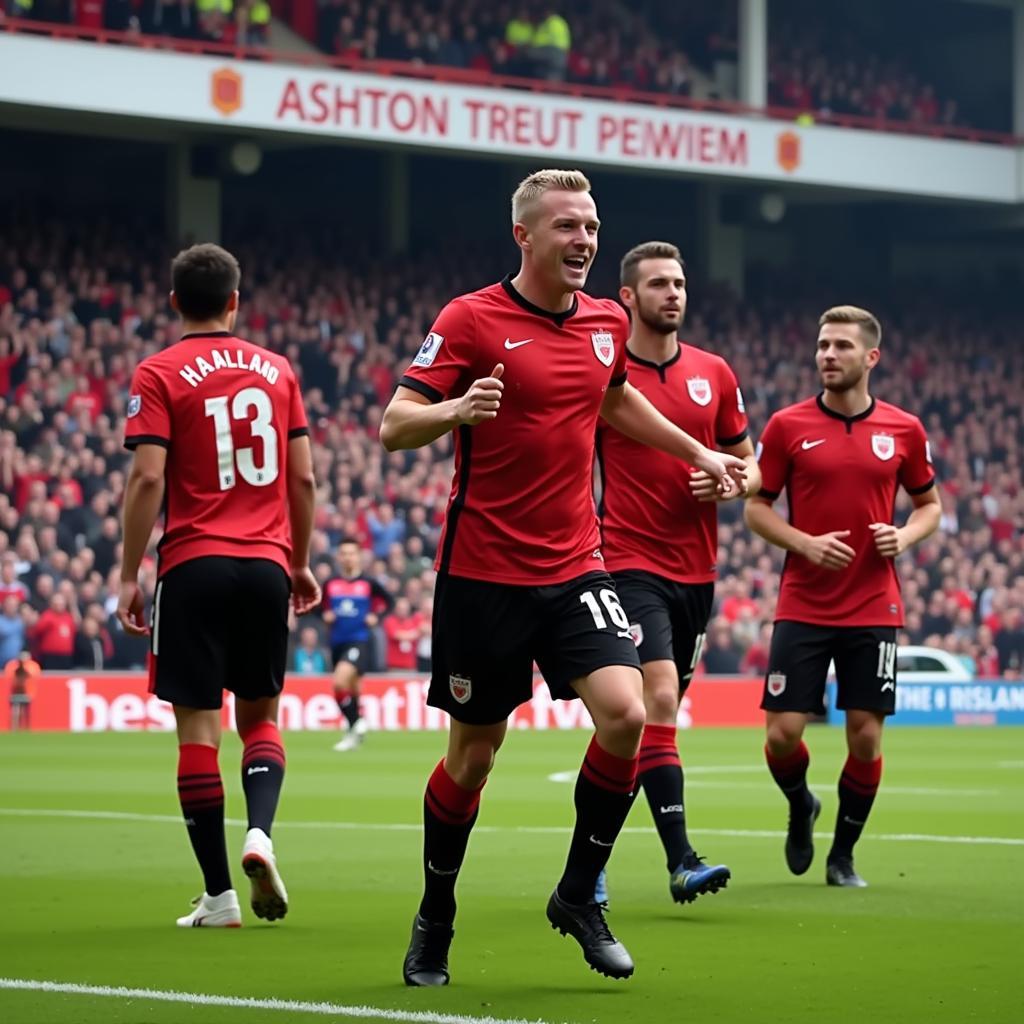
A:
(221, 911)
(800, 837)
(586, 924)
(694, 878)
(350, 741)
(839, 871)
(269, 898)
(360, 728)
(426, 960)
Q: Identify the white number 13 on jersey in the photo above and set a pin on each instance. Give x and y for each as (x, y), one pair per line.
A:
(260, 425)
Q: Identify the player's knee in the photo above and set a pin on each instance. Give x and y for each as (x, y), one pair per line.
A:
(623, 723)
(865, 744)
(662, 702)
(782, 738)
(470, 765)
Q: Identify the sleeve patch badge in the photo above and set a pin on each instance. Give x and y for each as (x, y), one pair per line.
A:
(429, 349)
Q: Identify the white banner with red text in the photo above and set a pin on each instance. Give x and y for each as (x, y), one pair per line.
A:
(120, 702)
(277, 97)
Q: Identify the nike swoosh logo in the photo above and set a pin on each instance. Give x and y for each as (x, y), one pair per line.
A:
(597, 842)
(808, 445)
(516, 344)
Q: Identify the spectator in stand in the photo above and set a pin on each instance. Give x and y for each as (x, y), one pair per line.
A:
(402, 628)
(519, 32)
(10, 585)
(1009, 643)
(93, 647)
(721, 655)
(12, 628)
(309, 658)
(550, 45)
(53, 635)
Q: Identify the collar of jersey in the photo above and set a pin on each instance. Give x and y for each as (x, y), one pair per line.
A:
(208, 334)
(839, 416)
(519, 300)
(656, 366)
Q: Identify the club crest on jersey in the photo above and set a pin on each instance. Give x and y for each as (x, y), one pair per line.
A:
(604, 346)
(134, 405)
(461, 688)
(700, 389)
(884, 446)
(776, 683)
(636, 631)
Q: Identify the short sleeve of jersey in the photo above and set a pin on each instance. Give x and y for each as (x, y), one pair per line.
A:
(731, 424)
(298, 425)
(917, 474)
(446, 354)
(148, 417)
(773, 459)
(619, 372)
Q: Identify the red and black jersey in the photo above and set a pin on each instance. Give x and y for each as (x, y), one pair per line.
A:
(225, 409)
(521, 509)
(842, 473)
(650, 519)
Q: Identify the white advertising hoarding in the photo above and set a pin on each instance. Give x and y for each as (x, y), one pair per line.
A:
(122, 80)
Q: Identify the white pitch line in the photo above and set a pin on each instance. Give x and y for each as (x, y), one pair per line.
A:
(246, 1003)
(564, 777)
(369, 826)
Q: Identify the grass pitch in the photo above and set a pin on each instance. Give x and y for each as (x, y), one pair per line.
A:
(96, 865)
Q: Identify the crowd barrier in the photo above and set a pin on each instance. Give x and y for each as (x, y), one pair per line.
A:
(120, 702)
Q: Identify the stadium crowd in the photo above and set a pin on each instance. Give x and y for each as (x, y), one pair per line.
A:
(78, 310)
(686, 49)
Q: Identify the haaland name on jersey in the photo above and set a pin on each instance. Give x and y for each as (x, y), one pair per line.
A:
(223, 359)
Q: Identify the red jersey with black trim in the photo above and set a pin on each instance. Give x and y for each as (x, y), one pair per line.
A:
(225, 410)
(650, 519)
(522, 509)
(842, 473)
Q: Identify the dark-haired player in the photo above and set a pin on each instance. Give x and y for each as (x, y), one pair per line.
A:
(353, 605)
(221, 443)
(659, 529)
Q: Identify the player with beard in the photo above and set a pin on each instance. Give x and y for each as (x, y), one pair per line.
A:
(660, 532)
(841, 457)
(521, 371)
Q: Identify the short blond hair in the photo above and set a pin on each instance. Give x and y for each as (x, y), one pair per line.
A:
(870, 328)
(531, 188)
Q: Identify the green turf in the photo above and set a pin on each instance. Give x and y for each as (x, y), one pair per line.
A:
(937, 937)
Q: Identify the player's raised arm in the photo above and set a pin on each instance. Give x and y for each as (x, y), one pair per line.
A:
(412, 420)
(629, 412)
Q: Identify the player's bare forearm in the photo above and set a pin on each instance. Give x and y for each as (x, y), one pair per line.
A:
(767, 523)
(923, 520)
(301, 498)
(631, 414)
(409, 423)
(143, 499)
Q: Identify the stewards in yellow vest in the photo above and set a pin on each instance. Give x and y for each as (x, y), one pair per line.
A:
(550, 47)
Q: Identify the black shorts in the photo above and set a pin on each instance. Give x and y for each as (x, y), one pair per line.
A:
(356, 652)
(486, 637)
(668, 619)
(219, 624)
(865, 661)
